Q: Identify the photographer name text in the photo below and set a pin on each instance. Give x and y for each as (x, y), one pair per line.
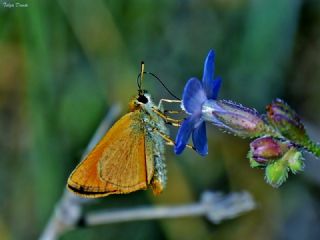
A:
(14, 5)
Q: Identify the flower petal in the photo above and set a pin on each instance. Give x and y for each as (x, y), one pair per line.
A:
(184, 133)
(215, 88)
(193, 96)
(210, 85)
(208, 71)
(199, 138)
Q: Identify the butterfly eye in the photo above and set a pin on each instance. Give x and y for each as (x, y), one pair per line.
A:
(142, 99)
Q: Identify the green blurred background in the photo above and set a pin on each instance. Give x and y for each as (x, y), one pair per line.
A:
(64, 63)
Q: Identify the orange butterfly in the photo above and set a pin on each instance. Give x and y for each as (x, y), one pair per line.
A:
(129, 157)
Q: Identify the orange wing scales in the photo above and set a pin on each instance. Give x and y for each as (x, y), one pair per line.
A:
(118, 163)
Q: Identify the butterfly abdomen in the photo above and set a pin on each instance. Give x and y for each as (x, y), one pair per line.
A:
(154, 141)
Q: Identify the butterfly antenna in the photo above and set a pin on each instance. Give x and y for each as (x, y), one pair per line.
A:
(160, 81)
(140, 78)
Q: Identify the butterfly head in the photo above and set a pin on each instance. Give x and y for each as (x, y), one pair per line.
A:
(142, 100)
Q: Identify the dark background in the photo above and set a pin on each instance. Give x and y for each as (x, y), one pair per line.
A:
(64, 63)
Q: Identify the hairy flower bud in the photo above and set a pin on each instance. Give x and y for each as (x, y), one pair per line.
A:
(235, 118)
(287, 122)
(295, 162)
(277, 171)
(266, 149)
(278, 157)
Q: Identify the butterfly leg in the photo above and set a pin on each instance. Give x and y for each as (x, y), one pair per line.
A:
(167, 101)
(173, 112)
(169, 120)
(169, 141)
(163, 115)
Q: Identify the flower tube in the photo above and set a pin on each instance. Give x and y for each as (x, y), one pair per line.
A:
(235, 118)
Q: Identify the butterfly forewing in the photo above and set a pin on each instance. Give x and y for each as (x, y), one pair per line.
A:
(117, 164)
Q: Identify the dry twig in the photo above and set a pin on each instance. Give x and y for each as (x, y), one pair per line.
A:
(68, 212)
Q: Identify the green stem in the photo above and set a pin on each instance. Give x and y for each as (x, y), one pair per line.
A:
(314, 148)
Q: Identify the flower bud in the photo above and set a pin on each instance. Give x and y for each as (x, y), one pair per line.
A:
(235, 118)
(287, 122)
(295, 162)
(266, 149)
(277, 172)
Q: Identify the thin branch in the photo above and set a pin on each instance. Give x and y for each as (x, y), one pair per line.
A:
(215, 206)
(68, 210)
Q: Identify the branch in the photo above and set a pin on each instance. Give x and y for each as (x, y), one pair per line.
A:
(68, 210)
(216, 207)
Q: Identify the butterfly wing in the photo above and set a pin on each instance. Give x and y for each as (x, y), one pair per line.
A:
(117, 164)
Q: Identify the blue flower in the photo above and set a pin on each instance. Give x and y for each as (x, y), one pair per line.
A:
(195, 93)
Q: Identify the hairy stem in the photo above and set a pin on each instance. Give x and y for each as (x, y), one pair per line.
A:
(314, 148)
